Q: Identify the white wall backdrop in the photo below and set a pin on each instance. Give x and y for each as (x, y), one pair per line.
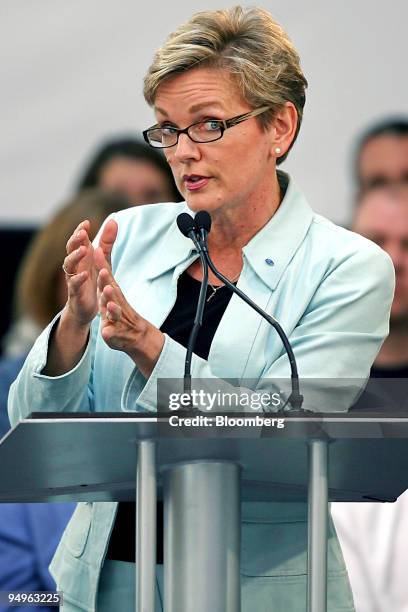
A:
(71, 75)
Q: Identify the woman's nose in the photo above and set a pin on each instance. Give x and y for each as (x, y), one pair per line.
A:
(186, 149)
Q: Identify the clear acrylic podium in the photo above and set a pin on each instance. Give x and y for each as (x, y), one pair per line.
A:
(202, 479)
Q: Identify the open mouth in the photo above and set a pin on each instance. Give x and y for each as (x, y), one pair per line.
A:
(193, 182)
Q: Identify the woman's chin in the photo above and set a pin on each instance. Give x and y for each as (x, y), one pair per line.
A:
(202, 203)
(196, 204)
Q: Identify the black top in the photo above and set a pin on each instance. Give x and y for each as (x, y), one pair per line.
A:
(400, 371)
(180, 320)
(178, 326)
(386, 390)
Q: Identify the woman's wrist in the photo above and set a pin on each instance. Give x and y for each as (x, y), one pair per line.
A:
(147, 349)
(71, 325)
(67, 345)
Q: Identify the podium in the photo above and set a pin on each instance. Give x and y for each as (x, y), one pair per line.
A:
(315, 458)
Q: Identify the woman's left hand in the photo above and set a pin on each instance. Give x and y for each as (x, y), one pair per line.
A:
(122, 328)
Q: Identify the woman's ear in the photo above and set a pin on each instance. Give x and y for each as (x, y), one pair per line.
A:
(283, 131)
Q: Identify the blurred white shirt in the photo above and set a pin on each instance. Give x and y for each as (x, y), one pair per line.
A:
(374, 541)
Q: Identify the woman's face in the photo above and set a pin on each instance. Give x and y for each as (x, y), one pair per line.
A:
(235, 171)
(140, 180)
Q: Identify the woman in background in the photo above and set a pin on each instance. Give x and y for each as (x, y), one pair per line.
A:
(131, 167)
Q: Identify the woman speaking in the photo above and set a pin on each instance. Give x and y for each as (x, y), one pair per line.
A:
(228, 94)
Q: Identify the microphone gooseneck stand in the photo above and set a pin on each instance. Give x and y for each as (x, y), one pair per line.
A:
(186, 226)
(203, 225)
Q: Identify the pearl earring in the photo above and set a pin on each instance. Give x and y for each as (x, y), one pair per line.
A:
(277, 150)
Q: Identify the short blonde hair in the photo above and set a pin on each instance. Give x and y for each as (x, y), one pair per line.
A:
(249, 44)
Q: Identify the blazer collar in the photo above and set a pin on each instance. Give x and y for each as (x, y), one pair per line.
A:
(272, 248)
(174, 248)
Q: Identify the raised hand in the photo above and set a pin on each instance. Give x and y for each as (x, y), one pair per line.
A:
(81, 273)
(70, 338)
(81, 276)
(122, 328)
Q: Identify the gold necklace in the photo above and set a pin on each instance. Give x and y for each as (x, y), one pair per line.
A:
(215, 289)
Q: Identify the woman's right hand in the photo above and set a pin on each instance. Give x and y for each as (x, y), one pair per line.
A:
(81, 276)
(69, 341)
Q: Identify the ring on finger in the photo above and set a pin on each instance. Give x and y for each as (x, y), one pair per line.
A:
(66, 271)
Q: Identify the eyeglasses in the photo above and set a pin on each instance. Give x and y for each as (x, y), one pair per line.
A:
(202, 131)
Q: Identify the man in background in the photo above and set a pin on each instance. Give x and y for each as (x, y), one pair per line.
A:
(381, 156)
(374, 537)
(382, 216)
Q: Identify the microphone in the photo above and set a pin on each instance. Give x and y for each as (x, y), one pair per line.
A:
(203, 225)
(187, 227)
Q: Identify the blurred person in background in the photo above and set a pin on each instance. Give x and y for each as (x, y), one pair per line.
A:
(133, 168)
(382, 216)
(374, 536)
(381, 155)
(29, 533)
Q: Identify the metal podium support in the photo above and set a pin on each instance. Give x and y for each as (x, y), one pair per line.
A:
(145, 553)
(202, 537)
(318, 511)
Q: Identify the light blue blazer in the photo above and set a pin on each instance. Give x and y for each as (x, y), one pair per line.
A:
(330, 289)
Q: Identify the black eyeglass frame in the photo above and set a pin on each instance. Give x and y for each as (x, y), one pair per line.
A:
(224, 124)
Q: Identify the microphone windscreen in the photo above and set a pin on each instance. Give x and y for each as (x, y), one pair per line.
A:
(203, 220)
(185, 223)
